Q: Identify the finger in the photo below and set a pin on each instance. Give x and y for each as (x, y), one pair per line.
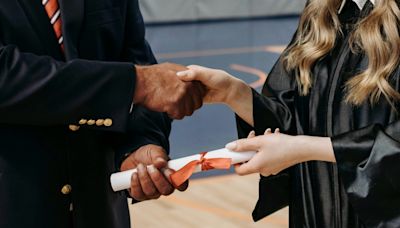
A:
(187, 75)
(245, 169)
(162, 184)
(183, 186)
(177, 112)
(168, 173)
(202, 88)
(159, 157)
(195, 73)
(198, 95)
(252, 134)
(136, 189)
(189, 105)
(148, 187)
(277, 131)
(242, 145)
(268, 131)
(160, 163)
(128, 163)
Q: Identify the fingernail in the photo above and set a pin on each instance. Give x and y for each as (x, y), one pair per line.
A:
(151, 168)
(160, 159)
(167, 173)
(140, 167)
(231, 146)
(181, 73)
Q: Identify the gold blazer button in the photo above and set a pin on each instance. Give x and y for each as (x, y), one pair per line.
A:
(108, 122)
(73, 127)
(66, 189)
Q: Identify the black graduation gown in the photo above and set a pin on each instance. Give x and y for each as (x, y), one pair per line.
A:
(363, 189)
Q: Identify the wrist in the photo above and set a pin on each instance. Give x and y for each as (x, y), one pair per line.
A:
(301, 146)
(238, 93)
(139, 94)
(315, 148)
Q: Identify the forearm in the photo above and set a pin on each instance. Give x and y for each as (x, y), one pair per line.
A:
(313, 148)
(240, 100)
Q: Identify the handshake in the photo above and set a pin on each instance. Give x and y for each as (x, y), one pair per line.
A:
(178, 90)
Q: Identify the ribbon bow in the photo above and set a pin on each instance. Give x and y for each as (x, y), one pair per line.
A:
(182, 175)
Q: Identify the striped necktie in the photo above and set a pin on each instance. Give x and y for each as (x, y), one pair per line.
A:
(53, 11)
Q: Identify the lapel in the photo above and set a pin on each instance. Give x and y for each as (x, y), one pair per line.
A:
(72, 13)
(41, 24)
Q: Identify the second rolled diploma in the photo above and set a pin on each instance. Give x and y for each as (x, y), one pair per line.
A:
(122, 180)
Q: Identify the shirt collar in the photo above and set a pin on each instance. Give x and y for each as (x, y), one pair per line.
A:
(359, 3)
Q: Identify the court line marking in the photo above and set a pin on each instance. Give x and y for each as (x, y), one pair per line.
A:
(251, 70)
(278, 49)
(213, 179)
(217, 210)
(221, 212)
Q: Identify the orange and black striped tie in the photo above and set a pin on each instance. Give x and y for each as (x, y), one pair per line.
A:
(53, 11)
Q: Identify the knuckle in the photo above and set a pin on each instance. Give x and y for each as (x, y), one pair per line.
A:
(156, 177)
(157, 196)
(239, 144)
(168, 190)
(183, 89)
(137, 195)
(150, 192)
(168, 108)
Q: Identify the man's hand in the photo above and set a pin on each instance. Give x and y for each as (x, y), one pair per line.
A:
(150, 183)
(159, 89)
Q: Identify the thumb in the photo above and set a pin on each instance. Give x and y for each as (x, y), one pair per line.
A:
(187, 75)
(245, 169)
(243, 145)
(159, 158)
(195, 73)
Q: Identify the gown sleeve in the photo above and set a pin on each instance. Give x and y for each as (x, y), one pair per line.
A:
(272, 109)
(368, 160)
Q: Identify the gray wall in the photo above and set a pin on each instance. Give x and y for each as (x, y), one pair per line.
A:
(155, 11)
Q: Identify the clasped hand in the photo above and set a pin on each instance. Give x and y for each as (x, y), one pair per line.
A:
(152, 179)
(159, 89)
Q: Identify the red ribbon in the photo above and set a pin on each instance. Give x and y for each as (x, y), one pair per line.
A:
(182, 175)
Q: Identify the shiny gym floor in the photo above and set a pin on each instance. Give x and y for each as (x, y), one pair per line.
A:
(247, 49)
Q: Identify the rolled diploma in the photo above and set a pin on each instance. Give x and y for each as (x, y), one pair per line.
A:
(122, 180)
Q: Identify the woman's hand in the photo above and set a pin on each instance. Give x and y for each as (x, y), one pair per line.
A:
(223, 88)
(277, 151)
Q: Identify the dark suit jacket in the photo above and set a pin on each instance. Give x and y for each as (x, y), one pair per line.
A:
(43, 92)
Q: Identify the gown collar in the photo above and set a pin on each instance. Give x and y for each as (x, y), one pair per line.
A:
(359, 3)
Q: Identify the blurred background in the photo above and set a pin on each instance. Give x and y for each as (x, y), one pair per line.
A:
(245, 38)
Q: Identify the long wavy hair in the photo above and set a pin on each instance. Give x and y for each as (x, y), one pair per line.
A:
(377, 36)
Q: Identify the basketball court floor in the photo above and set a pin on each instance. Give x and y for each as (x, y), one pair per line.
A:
(247, 49)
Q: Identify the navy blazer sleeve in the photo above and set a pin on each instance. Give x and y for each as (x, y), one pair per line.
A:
(38, 90)
(145, 126)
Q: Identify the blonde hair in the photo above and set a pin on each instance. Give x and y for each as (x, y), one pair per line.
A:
(377, 36)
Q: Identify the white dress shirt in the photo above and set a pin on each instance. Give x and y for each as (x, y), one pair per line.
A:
(360, 4)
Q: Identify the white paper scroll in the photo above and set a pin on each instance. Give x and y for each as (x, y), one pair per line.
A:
(122, 180)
